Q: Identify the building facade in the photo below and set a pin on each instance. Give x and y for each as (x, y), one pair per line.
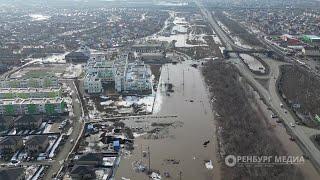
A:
(6, 122)
(25, 93)
(103, 69)
(148, 47)
(128, 76)
(12, 173)
(45, 82)
(80, 56)
(92, 84)
(49, 106)
(11, 144)
(311, 51)
(137, 78)
(27, 122)
(37, 144)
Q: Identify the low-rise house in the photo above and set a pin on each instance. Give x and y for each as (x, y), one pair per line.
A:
(148, 47)
(11, 144)
(3, 68)
(311, 51)
(153, 58)
(10, 59)
(79, 56)
(27, 122)
(37, 144)
(94, 159)
(6, 122)
(81, 172)
(15, 173)
(76, 57)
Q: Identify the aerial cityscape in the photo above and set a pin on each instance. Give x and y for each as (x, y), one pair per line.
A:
(159, 89)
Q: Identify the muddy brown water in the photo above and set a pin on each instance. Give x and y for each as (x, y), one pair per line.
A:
(183, 144)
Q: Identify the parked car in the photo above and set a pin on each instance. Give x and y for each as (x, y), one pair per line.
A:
(292, 125)
(274, 116)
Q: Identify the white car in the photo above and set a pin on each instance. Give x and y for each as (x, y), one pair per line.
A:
(274, 116)
(292, 125)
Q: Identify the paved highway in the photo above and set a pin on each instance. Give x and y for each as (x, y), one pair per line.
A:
(270, 95)
(78, 126)
(228, 42)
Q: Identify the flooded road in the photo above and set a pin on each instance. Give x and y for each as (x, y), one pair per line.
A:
(253, 63)
(184, 143)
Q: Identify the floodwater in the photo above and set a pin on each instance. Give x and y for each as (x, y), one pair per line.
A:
(184, 143)
(181, 40)
(178, 33)
(39, 17)
(179, 29)
(253, 63)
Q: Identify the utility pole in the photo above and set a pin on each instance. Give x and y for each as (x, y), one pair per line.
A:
(149, 161)
(141, 153)
(183, 78)
(180, 175)
(168, 74)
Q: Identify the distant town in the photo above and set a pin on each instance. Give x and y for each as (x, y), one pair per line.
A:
(161, 89)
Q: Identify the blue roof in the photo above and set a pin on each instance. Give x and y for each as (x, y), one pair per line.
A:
(90, 126)
(116, 143)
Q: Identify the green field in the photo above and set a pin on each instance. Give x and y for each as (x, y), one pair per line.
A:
(37, 74)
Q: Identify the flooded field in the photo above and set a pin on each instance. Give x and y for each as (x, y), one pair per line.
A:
(185, 146)
(178, 33)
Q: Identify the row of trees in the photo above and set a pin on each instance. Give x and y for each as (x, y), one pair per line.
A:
(242, 130)
(301, 90)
